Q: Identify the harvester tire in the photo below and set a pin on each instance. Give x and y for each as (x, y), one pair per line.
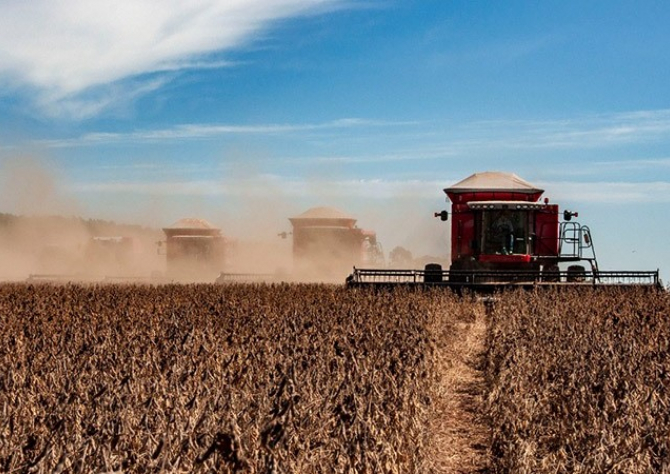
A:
(551, 274)
(433, 273)
(576, 273)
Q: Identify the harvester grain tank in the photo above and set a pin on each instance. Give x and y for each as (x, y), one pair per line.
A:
(502, 234)
(194, 249)
(326, 243)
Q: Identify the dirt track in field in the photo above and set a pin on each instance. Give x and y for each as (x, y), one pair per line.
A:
(460, 431)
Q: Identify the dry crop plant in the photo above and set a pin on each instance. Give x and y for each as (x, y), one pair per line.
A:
(580, 382)
(254, 379)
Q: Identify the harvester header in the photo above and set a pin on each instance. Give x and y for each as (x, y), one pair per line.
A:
(503, 235)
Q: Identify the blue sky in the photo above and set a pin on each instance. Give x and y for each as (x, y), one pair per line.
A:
(247, 112)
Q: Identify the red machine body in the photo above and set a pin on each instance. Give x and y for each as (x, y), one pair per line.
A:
(498, 222)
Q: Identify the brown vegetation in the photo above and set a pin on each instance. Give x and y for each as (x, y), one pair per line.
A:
(257, 379)
(580, 382)
(316, 378)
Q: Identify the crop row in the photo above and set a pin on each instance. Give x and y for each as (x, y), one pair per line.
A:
(580, 382)
(257, 379)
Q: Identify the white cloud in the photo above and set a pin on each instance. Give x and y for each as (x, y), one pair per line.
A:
(576, 132)
(425, 140)
(609, 192)
(199, 131)
(624, 168)
(376, 189)
(87, 105)
(258, 186)
(62, 48)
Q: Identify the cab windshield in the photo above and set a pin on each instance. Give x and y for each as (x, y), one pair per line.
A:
(504, 232)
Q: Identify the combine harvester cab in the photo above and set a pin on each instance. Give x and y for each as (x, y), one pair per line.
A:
(502, 235)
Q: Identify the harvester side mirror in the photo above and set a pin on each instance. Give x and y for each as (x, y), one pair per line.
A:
(444, 215)
(568, 215)
(283, 235)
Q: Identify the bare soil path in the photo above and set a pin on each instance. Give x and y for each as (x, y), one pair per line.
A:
(460, 431)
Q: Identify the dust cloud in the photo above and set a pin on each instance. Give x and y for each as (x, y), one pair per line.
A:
(256, 226)
(44, 237)
(405, 221)
(41, 239)
(70, 248)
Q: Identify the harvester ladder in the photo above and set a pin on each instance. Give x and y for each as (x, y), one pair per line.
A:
(576, 242)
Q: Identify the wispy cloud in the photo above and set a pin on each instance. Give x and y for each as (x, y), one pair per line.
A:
(610, 192)
(70, 51)
(204, 131)
(95, 100)
(590, 131)
(376, 189)
(659, 163)
(625, 168)
(258, 186)
(428, 139)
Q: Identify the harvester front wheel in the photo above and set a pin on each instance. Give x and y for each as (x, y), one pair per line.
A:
(576, 273)
(551, 274)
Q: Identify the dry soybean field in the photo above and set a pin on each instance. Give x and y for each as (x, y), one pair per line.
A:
(202, 378)
(580, 382)
(320, 379)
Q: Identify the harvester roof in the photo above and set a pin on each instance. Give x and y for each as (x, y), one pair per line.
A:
(493, 185)
(323, 213)
(320, 216)
(191, 223)
(191, 226)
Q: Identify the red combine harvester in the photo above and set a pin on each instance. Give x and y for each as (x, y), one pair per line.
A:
(503, 235)
(194, 250)
(327, 242)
